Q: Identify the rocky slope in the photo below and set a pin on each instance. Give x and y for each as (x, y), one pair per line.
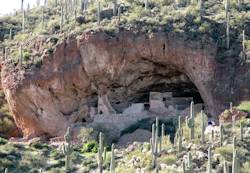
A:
(46, 100)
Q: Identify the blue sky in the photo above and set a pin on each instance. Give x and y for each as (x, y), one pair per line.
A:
(8, 6)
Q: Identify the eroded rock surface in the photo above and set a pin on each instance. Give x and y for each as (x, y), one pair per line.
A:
(125, 68)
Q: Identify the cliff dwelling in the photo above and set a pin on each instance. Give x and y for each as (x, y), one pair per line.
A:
(159, 73)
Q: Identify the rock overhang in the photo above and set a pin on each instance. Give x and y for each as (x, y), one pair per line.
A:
(69, 82)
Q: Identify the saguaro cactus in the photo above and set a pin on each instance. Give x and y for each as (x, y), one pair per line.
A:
(112, 161)
(61, 22)
(43, 17)
(154, 142)
(190, 121)
(201, 4)
(67, 148)
(119, 12)
(221, 134)
(23, 15)
(99, 13)
(146, 4)
(243, 46)
(21, 55)
(179, 136)
(100, 153)
(162, 136)
(5, 53)
(241, 132)
(231, 107)
(234, 164)
(183, 167)
(225, 167)
(114, 2)
(189, 162)
(234, 143)
(202, 127)
(209, 162)
(239, 4)
(227, 9)
(10, 36)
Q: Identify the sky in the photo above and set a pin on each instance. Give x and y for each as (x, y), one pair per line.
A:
(8, 6)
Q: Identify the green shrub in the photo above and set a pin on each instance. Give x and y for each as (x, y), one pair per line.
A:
(244, 106)
(91, 146)
(26, 55)
(169, 159)
(3, 141)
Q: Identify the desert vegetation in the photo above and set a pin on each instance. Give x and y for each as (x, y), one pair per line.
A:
(224, 22)
(183, 144)
(222, 148)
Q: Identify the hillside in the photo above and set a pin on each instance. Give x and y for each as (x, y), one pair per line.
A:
(172, 75)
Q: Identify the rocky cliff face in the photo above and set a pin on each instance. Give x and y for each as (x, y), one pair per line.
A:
(124, 66)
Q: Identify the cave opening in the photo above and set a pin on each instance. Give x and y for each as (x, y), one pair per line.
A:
(182, 90)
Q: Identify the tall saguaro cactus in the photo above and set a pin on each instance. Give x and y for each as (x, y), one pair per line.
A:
(154, 142)
(99, 13)
(61, 22)
(234, 143)
(112, 161)
(225, 167)
(241, 132)
(179, 136)
(23, 15)
(183, 167)
(43, 17)
(5, 53)
(146, 4)
(162, 136)
(201, 4)
(227, 9)
(202, 127)
(234, 164)
(221, 135)
(67, 148)
(239, 4)
(120, 11)
(189, 162)
(21, 55)
(10, 36)
(114, 2)
(243, 46)
(100, 153)
(209, 162)
(190, 121)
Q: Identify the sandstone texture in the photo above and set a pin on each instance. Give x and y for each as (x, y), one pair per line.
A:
(124, 68)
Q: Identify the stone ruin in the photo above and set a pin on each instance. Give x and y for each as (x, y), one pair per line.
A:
(160, 104)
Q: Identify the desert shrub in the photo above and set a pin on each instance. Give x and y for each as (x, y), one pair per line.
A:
(226, 153)
(3, 141)
(26, 55)
(38, 62)
(39, 145)
(245, 167)
(168, 159)
(244, 106)
(90, 146)
(87, 134)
